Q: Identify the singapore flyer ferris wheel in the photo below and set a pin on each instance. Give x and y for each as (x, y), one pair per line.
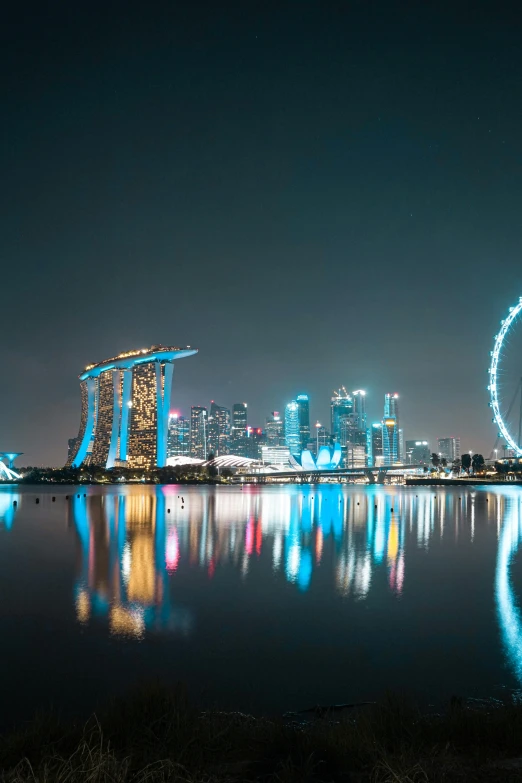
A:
(505, 380)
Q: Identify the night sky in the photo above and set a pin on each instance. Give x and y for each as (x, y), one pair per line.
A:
(311, 193)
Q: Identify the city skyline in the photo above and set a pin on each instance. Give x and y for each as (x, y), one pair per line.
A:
(224, 179)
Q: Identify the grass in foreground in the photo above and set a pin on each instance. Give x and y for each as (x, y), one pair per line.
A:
(155, 737)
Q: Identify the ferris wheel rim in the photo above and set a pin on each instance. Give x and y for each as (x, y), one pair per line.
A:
(493, 387)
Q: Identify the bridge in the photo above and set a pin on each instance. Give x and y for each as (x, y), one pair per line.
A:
(375, 475)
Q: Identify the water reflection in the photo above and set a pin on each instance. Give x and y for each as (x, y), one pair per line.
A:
(8, 507)
(125, 559)
(507, 604)
(133, 544)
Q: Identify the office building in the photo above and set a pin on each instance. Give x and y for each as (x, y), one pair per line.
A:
(374, 440)
(341, 410)
(198, 432)
(179, 436)
(238, 433)
(322, 437)
(292, 428)
(359, 410)
(218, 430)
(356, 455)
(449, 448)
(391, 411)
(417, 452)
(303, 405)
(125, 409)
(278, 456)
(390, 441)
(274, 430)
(255, 440)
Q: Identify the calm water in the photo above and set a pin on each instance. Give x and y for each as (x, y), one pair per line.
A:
(268, 598)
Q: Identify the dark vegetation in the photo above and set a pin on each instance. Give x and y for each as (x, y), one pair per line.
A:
(156, 736)
(183, 474)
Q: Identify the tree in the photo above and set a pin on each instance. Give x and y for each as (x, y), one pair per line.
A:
(466, 462)
(478, 463)
(443, 462)
(435, 460)
(456, 466)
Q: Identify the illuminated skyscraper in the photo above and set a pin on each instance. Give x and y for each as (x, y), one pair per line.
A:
(390, 441)
(292, 428)
(304, 419)
(179, 436)
(391, 411)
(125, 408)
(218, 430)
(274, 430)
(239, 429)
(198, 432)
(359, 410)
(341, 409)
(374, 445)
(255, 440)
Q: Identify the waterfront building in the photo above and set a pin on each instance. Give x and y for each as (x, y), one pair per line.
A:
(238, 434)
(198, 432)
(218, 430)
(449, 448)
(390, 441)
(341, 409)
(278, 456)
(417, 452)
(179, 436)
(125, 409)
(356, 455)
(303, 405)
(391, 411)
(292, 428)
(274, 430)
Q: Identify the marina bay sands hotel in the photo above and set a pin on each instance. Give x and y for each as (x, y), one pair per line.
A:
(125, 409)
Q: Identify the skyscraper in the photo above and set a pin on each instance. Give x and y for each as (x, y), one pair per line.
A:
(304, 419)
(198, 432)
(449, 448)
(391, 411)
(179, 436)
(359, 410)
(341, 408)
(274, 430)
(375, 456)
(239, 429)
(125, 409)
(218, 430)
(390, 441)
(254, 442)
(292, 428)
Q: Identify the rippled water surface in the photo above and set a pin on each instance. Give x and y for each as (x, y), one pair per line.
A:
(262, 598)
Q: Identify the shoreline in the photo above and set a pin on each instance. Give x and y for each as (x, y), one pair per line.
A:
(154, 734)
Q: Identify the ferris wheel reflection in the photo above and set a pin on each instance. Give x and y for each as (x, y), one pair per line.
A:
(507, 605)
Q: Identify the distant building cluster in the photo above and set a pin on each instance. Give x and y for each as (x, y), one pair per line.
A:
(126, 420)
(289, 437)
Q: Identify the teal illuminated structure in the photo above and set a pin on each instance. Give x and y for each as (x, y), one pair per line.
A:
(125, 409)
